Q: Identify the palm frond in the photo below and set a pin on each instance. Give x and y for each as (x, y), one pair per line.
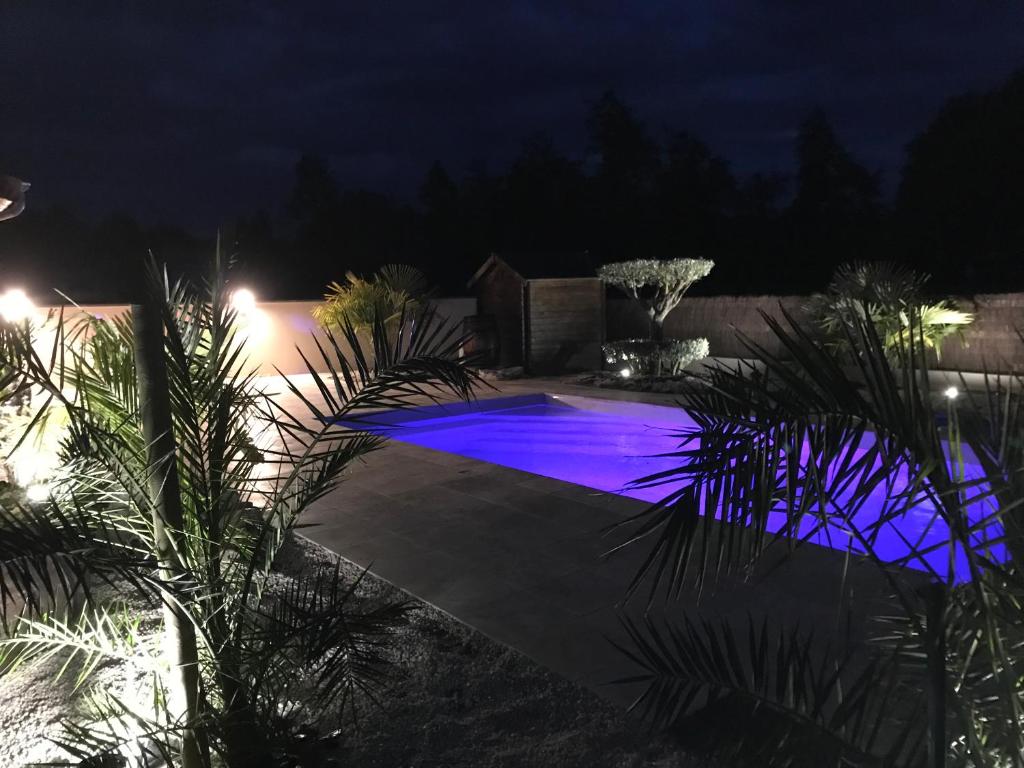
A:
(119, 731)
(313, 635)
(770, 697)
(109, 633)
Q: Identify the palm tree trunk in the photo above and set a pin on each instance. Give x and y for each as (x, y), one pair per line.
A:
(165, 495)
(935, 637)
(246, 744)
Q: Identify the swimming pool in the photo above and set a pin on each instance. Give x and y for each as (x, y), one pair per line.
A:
(607, 445)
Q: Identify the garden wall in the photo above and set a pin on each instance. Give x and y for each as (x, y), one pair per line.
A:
(278, 330)
(990, 342)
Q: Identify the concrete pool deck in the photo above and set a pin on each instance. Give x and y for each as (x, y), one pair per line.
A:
(518, 556)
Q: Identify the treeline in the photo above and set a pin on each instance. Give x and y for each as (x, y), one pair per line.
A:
(958, 213)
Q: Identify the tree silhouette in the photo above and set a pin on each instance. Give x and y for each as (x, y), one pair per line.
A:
(313, 203)
(443, 251)
(543, 200)
(618, 195)
(697, 196)
(836, 212)
(959, 210)
(623, 186)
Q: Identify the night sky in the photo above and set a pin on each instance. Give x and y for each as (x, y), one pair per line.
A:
(191, 113)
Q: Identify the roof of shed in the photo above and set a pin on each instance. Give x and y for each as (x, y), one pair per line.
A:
(537, 265)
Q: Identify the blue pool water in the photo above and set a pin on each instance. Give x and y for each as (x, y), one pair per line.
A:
(606, 445)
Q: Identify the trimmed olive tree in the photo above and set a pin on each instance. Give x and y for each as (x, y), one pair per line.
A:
(657, 285)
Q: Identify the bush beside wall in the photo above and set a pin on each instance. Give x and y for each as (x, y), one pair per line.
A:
(991, 340)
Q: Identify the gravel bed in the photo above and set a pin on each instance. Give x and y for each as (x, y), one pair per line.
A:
(609, 380)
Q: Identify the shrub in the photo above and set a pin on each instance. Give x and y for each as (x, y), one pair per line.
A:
(359, 301)
(646, 357)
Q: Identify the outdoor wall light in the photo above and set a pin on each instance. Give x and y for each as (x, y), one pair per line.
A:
(244, 301)
(952, 393)
(253, 324)
(16, 306)
(12, 196)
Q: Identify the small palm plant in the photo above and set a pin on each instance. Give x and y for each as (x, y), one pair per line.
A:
(181, 476)
(789, 450)
(394, 290)
(887, 294)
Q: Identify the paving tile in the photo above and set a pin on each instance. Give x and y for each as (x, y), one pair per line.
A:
(495, 489)
(580, 547)
(405, 519)
(450, 586)
(386, 546)
(450, 537)
(572, 514)
(541, 483)
(416, 571)
(579, 592)
(582, 652)
(351, 532)
(619, 507)
(396, 479)
(516, 618)
(443, 501)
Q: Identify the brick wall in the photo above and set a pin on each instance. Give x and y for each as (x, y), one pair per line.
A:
(990, 342)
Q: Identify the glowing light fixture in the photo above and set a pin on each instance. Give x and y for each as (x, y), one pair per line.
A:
(625, 373)
(12, 196)
(37, 492)
(244, 301)
(16, 306)
(252, 323)
(952, 393)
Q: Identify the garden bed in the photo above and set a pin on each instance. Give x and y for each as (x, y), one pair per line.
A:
(458, 699)
(610, 380)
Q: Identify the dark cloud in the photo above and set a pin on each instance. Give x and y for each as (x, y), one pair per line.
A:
(193, 112)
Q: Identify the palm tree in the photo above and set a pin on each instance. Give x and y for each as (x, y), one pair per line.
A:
(796, 447)
(181, 477)
(887, 294)
(395, 290)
